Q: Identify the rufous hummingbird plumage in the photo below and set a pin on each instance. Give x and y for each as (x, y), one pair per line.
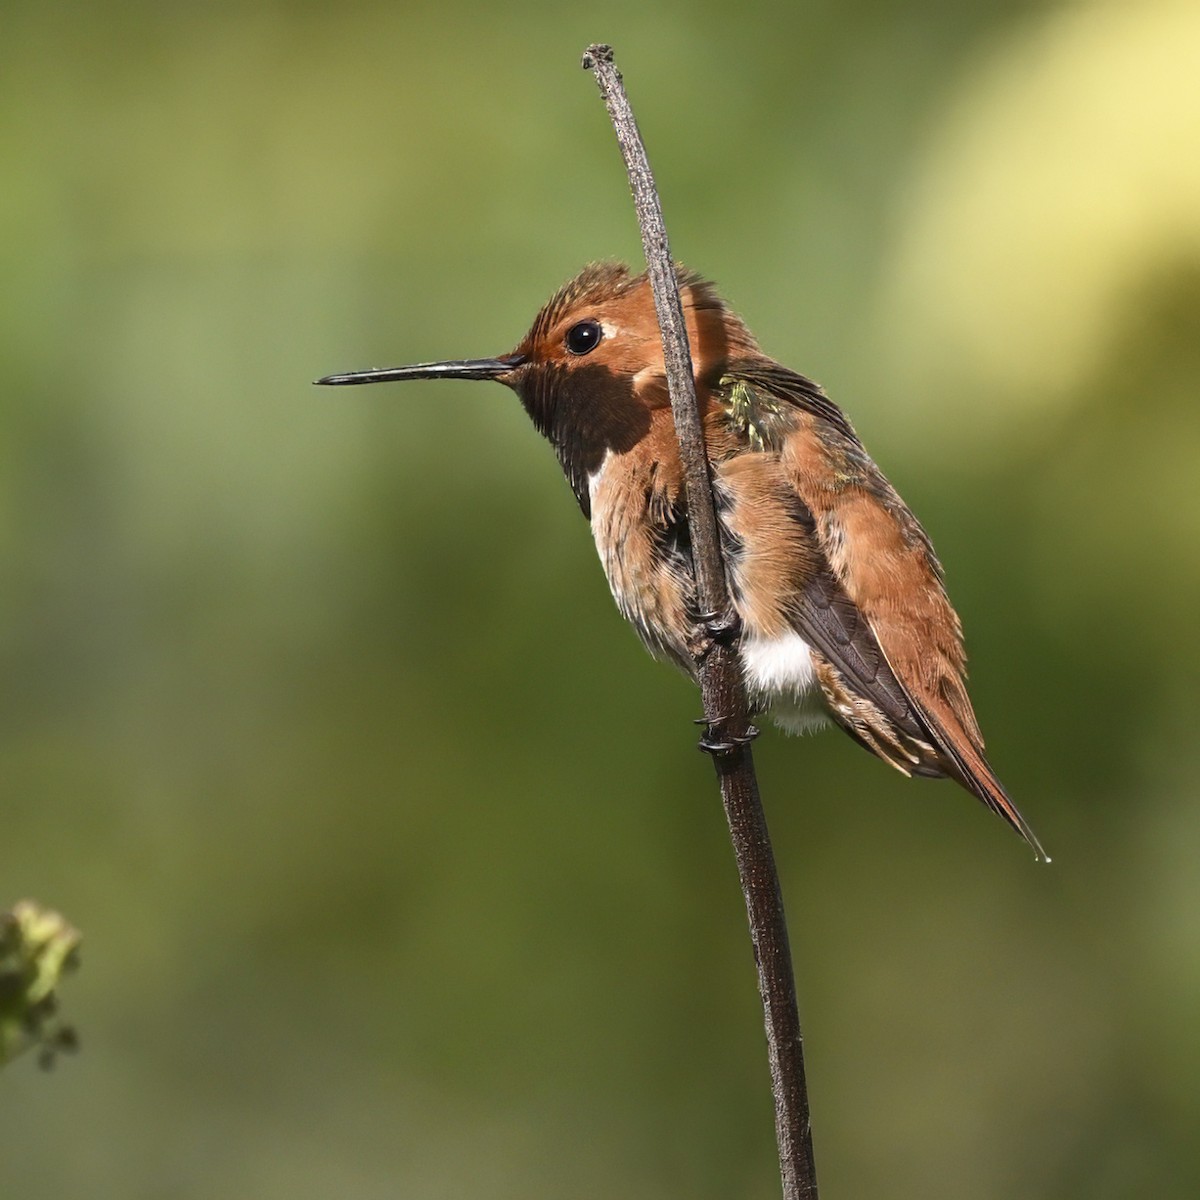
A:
(841, 609)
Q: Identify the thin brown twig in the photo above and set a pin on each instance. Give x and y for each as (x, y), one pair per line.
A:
(721, 686)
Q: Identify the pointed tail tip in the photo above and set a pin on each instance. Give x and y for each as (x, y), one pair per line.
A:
(997, 800)
(988, 788)
(1018, 822)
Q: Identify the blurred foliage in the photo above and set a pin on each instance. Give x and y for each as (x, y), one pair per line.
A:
(403, 876)
(37, 947)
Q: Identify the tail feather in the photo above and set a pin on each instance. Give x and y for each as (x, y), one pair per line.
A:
(968, 767)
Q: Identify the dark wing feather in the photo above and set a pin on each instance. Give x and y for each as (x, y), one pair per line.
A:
(829, 621)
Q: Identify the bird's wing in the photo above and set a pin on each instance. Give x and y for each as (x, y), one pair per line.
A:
(782, 582)
(869, 583)
(867, 589)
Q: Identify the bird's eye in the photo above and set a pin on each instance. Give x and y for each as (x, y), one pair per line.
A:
(584, 337)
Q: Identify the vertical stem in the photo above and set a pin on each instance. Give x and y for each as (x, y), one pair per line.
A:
(721, 684)
(776, 982)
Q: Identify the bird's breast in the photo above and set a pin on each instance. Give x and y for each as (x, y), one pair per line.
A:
(641, 538)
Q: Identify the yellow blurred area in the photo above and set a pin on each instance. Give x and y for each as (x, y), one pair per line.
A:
(1059, 184)
(397, 871)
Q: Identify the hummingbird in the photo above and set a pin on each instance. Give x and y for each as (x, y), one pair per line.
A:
(840, 607)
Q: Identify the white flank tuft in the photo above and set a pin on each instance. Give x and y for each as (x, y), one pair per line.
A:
(780, 674)
(596, 476)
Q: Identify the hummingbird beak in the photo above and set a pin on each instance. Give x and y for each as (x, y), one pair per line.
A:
(460, 368)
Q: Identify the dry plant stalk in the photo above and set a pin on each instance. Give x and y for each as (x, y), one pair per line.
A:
(725, 706)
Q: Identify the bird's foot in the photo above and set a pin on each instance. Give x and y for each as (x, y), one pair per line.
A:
(714, 629)
(717, 739)
(724, 628)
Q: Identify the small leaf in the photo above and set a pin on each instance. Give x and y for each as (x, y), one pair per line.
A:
(37, 948)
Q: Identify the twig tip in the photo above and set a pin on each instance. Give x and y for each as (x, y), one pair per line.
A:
(597, 52)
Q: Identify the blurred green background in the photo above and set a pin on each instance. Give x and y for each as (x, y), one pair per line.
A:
(398, 871)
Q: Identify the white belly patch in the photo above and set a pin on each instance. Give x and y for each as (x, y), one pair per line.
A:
(780, 675)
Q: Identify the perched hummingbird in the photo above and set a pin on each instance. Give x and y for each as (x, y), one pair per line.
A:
(841, 609)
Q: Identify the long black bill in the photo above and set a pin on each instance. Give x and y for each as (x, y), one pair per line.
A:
(461, 368)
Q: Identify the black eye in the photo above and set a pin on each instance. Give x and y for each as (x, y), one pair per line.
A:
(584, 337)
